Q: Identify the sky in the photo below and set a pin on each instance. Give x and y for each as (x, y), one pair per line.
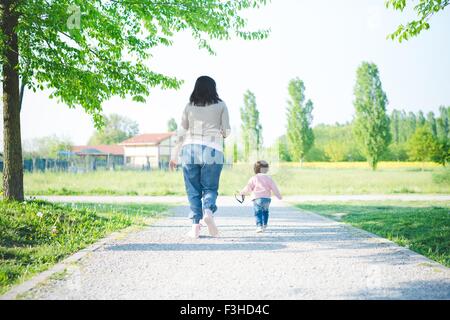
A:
(321, 42)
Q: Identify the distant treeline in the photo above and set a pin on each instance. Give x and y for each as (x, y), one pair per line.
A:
(415, 137)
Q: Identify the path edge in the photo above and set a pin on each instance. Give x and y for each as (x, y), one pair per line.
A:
(378, 238)
(22, 288)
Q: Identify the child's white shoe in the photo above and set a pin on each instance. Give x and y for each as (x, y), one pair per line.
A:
(195, 231)
(259, 230)
(209, 220)
(264, 227)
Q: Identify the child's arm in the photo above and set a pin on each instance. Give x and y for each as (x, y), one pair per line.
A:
(275, 190)
(248, 188)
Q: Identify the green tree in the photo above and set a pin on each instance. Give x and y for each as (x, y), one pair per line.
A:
(342, 135)
(49, 147)
(115, 130)
(85, 52)
(235, 152)
(336, 150)
(422, 146)
(371, 127)
(403, 127)
(421, 121)
(251, 127)
(443, 124)
(442, 155)
(407, 124)
(299, 132)
(395, 125)
(283, 149)
(397, 152)
(425, 10)
(443, 136)
(316, 154)
(172, 125)
(411, 124)
(431, 120)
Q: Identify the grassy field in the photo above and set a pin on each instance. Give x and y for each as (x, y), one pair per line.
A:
(35, 235)
(312, 178)
(420, 226)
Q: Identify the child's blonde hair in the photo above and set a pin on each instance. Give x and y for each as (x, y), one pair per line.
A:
(261, 166)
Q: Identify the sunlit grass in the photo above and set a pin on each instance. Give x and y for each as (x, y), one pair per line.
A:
(365, 165)
(312, 178)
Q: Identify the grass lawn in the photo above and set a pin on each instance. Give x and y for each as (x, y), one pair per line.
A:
(422, 227)
(312, 178)
(35, 235)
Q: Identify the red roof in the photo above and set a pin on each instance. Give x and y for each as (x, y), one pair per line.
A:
(101, 149)
(148, 138)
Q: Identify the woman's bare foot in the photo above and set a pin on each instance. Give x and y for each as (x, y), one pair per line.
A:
(208, 218)
(195, 231)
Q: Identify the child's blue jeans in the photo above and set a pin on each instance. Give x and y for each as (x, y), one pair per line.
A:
(202, 166)
(261, 208)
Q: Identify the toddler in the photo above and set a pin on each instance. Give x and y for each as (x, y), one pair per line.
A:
(261, 187)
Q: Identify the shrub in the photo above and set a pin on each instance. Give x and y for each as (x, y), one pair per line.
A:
(442, 177)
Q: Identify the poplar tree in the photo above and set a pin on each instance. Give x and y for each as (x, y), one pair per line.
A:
(371, 123)
(299, 118)
(251, 127)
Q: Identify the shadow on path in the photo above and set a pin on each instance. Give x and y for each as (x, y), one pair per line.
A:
(251, 246)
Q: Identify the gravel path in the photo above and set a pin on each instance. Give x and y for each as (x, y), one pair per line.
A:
(301, 256)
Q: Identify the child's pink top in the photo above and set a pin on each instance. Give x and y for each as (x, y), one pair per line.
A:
(261, 186)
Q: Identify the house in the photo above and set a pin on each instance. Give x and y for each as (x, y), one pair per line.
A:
(107, 156)
(149, 151)
(144, 151)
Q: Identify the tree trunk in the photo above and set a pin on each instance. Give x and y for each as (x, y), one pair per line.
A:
(22, 91)
(373, 163)
(12, 149)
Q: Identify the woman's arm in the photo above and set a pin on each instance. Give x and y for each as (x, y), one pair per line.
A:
(226, 128)
(181, 135)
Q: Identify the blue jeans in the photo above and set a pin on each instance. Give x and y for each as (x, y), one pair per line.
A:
(261, 208)
(202, 166)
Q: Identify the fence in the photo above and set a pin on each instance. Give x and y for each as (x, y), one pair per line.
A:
(74, 165)
(30, 165)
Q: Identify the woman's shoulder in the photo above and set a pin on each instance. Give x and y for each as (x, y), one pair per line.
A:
(222, 105)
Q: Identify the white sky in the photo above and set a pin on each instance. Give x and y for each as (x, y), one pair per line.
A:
(322, 42)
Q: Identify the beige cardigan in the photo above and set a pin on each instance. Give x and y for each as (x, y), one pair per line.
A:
(207, 125)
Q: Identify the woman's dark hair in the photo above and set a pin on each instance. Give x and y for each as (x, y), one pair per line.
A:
(261, 167)
(205, 92)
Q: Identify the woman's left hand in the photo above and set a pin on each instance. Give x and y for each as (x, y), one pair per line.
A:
(173, 164)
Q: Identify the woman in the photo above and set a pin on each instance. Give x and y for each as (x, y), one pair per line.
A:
(204, 125)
